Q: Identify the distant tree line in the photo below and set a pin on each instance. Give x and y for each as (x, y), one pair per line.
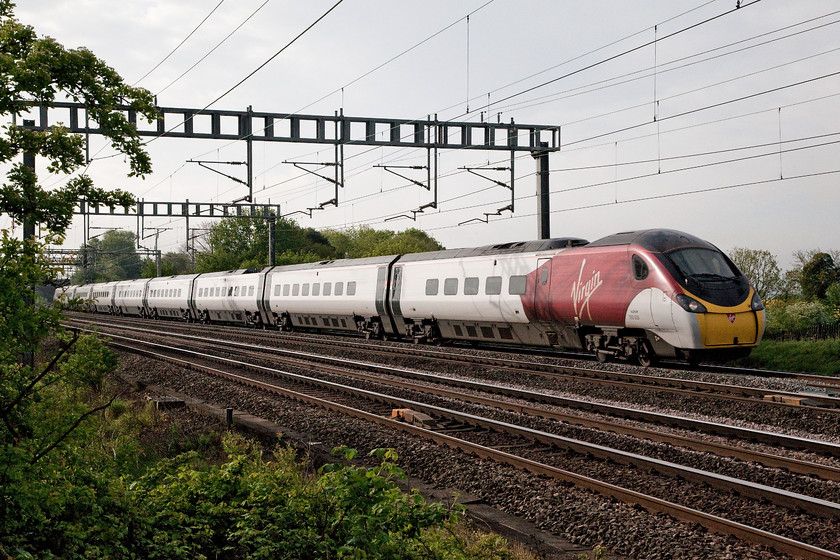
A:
(235, 243)
(803, 302)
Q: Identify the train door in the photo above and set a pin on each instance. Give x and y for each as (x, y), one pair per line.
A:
(542, 300)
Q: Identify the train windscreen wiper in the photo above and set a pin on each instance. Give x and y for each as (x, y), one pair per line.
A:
(712, 277)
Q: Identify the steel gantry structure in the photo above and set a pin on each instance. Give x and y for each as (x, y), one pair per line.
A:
(338, 130)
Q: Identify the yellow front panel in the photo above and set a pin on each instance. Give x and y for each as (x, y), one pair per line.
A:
(727, 329)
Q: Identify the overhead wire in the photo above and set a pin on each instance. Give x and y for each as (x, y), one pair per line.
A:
(191, 33)
(613, 57)
(219, 44)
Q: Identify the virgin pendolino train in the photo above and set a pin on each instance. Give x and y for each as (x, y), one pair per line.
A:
(637, 295)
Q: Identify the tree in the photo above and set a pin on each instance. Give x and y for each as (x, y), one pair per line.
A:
(368, 242)
(34, 71)
(113, 257)
(235, 243)
(38, 413)
(171, 264)
(818, 274)
(761, 268)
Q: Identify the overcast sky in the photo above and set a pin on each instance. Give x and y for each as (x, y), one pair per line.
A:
(727, 128)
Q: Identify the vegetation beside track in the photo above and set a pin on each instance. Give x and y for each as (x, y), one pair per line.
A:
(132, 482)
(805, 356)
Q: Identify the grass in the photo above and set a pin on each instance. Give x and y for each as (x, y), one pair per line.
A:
(806, 356)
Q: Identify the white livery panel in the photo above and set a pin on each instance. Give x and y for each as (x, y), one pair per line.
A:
(130, 297)
(170, 296)
(228, 296)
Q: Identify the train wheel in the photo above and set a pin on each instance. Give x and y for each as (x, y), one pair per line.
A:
(646, 357)
(602, 357)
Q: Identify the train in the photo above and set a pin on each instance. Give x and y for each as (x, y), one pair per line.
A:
(636, 295)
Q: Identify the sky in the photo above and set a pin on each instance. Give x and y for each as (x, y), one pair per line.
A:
(692, 115)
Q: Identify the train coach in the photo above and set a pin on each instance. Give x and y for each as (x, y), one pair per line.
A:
(637, 295)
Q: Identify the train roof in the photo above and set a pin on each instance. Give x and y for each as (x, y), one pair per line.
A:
(498, 249)
(660, 240)
(367, 261)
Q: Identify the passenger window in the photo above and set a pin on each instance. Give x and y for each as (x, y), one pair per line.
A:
(351, 288)
(432, 287)
(544, 275)
(305, 289)
(640, 268)
(277, 289)
(218, 291)
(250, 291)
(517, 285)
(230, 291)
(286, 289)
(316, 289)
(470, 286)
(450, 287)
(339, 288)
(236, 291)
(295, 289)
(493, 286)
(327, 288)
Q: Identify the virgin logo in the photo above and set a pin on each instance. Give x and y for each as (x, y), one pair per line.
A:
(582, 291)
(731, 317)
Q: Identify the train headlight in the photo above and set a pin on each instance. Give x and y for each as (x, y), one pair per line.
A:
(690, 305)
(756, 304)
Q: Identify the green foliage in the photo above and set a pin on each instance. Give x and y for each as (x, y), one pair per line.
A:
(111, 257)
(761, 268)
(171, 264)
(368, 242)
(236, 243)
(36, 71)
(818, 274)
(785, 315)
(249, 507)
(832, 299)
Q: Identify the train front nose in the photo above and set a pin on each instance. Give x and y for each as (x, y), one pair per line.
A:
(731, 329)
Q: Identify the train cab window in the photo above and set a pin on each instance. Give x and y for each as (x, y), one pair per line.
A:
(327, 288)
(517, 285)
(471, 286)
(450, 287)
(305, 289)
(250, 291)
(286, 289)
(339, 288)
(493, 286)
(640, 268)
(316, 289)
(432, 286)
(351, 288)
(295, 289)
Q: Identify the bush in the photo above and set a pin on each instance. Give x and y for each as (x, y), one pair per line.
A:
(785, 316)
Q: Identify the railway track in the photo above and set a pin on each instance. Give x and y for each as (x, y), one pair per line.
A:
(333, 395)
(632, 381)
